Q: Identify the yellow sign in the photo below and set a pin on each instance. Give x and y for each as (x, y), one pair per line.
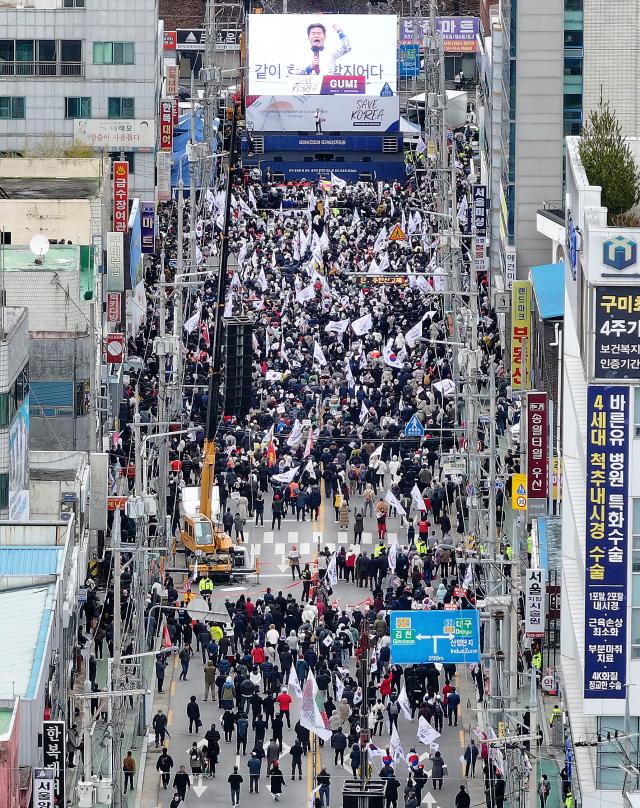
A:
(557, 479)
(397, 234)
(519, 492)
(521, 335)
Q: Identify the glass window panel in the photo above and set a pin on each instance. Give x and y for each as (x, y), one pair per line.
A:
(71, 50)
(46, 50)
(24, 50)
(7, 50)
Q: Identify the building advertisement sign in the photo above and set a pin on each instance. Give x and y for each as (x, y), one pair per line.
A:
(115, 262)
(509, 267)
(148, 227)
(521, 335)
(120, 196)
(479, 195)
(607, 552)
(170, 41)
(616, 353)
(115, 348)
(537, 447)
(116, 134)
(459, 33)
(54, 744)
(194, 39)
(535, 595)
(43, 782)
(480, 253)
(171, 80)
(166, 125)
(114, 307)
(330, 113)
(293, 54)
(163, 176)
(408, 61)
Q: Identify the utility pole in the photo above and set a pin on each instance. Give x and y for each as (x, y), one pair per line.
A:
(177, 305)
(116, 703)
(163, 454)
(141, 560)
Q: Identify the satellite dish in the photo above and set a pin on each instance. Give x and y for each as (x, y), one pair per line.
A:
(39, 245)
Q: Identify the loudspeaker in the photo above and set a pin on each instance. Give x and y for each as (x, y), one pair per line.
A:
(238, 359)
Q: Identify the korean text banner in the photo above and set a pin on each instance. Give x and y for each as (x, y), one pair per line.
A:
(521, 335)
(319, 54)
(606, 578)
(336, 113)
(617, 333)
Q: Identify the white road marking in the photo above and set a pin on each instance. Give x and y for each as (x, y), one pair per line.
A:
(268, 537)
(279, 549)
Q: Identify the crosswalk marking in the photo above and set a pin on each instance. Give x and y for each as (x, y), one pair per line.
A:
(305, 548)
(293, 536)
(343, 536)
(267, 537)
(279, 549)
(367, 538)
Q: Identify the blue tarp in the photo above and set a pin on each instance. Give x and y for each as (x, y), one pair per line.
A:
(548, 286)
(181, 136)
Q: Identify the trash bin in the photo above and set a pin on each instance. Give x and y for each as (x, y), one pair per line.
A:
(86, 792)
(104, 790)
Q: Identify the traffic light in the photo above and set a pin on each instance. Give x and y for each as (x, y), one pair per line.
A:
(238, 357)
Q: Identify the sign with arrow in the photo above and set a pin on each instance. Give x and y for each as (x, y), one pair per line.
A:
(199, 787)
(397, 234)
(435, 636)
(414, 428)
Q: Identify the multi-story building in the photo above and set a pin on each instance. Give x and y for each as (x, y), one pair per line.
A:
(600, 610)
(88, 70)
(522, 76)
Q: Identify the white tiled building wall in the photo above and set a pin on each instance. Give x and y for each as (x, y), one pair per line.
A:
(100, 20)
(612, 59)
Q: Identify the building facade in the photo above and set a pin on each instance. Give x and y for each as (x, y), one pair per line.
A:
(67, 61)
(600, 609)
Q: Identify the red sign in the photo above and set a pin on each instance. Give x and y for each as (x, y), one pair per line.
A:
(166, 125)
(537, 449)
(115, 349)
(343, 85)
(116, 503)
(120, 196)
(114, 308)
(170, 40)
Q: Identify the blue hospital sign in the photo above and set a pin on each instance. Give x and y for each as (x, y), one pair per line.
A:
(435, 636)
(607, 552)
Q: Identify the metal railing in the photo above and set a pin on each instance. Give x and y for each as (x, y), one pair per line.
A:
(45, 69)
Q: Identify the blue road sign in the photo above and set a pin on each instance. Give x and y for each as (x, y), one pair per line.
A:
(414, 428)
(435, 636)
(386, 91)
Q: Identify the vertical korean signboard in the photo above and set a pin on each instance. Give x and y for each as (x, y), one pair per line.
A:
(521, 335)
(537, 449)
(535, 594)
(54, 744)
(148, 227)
(120, 196)
(166, 124)
(606, 579)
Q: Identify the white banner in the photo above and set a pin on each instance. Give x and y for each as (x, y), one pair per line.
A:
(362, 325)
(342, 113)
(426, 733)
(535, 595)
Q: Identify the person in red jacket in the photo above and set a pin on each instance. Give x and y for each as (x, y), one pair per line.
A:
(257, 654)
(386, 686)
(284, 702)
(445, 693)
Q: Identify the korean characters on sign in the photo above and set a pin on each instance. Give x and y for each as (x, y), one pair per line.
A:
(120, 196)
(166, 124)
(537, 454)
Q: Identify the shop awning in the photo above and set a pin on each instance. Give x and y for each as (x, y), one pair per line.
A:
(548, 287)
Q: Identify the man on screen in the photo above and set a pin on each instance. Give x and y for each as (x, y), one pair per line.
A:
(322, 64)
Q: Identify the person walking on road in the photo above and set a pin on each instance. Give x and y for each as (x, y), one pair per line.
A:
(181, 783)
(210, 681)
(438, 767)
(159, 725)
(324, 782)
(129, 769)
(453, 703)
(254, 764)
(391, 792)
(161, 666)
(463, 800)
(234, 780)
(193, 714)
(294, 561)
(277, 781)
(185, 658)
(544, 789)
(164, 764)
(470, 757)
(296, 753)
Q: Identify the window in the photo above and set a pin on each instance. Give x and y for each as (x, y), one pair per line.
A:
(610, 776)
(113, 53)
(129, 156)
(71, 50)
(11, 107)
(4, 491)
(72, 3)
(77, 107)
(573, 39)
(122, 108)
(46, 50)
(572, 66)
(24, 50)
(7, 50)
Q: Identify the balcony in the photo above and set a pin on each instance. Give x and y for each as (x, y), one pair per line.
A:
(44, 69)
